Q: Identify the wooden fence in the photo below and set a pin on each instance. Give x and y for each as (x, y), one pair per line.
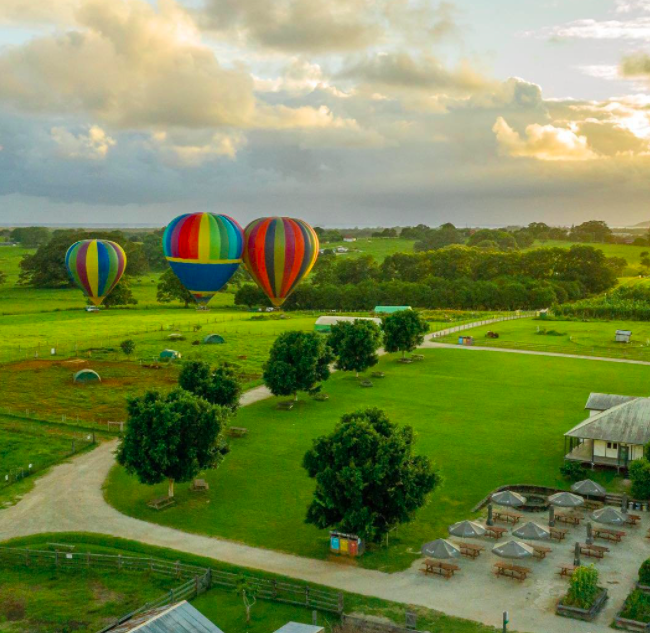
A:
(203, 578)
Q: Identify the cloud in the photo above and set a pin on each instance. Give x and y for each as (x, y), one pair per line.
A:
(190, 148)
(92, 145)
(589, 29)
(36, 12)
(543, 142)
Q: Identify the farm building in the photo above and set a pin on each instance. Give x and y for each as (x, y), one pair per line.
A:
(169, 354)
(325, 323)
(87, 375)
(598, 402)
(214, 339)
(390, 309)
(296, 627)
(181, 617)
(612, 437)
(623, 336)
(349, 239)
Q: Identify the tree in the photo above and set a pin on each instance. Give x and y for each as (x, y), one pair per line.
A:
(639, 474)
(251, 296)
(355, 344)
(173, 437)
(298, 362)
(404, 331)
(152, 249)
(121, 295)
(128, 347)
(171, 289)
(583, 588)
(248, 592)
(645, 260)
(30, 236)
(367, 478)
(219, 386)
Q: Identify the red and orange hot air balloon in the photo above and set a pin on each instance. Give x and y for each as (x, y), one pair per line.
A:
(279, 253)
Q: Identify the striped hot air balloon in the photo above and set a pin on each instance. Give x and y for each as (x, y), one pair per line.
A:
(204, 251)
(279, 253)
(96, 266)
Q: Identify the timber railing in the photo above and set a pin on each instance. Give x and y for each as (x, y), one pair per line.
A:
(474, 324)
(195, 579)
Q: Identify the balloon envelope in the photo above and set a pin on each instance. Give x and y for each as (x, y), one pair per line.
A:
(204, 250)
(96, 266)
(279, 253)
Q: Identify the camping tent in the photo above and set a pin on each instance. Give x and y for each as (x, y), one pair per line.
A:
(325, 323)
(87, 375)
(390, 309)
(214, 339)
(169, 354)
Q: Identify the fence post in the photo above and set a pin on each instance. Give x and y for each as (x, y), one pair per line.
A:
(340, 602)
(196, 585)
(307, 595)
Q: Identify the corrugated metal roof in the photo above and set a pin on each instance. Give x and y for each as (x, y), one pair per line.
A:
(178, 618)
(628, 422)
(626, 332)
(333, 320)
(604, 401)
(296, 627)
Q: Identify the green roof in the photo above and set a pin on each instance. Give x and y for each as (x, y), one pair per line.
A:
(391, 309)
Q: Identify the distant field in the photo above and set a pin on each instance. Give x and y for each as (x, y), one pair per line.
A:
(462, 406)
(378, 247)
(592, 338)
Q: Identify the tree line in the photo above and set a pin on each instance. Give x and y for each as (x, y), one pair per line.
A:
(455, 277)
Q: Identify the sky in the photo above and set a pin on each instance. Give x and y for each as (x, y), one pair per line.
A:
(343, 113)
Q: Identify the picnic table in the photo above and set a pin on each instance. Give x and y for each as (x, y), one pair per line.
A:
(591, 505)
(558, 534)
(608, 535)
(446, 570)
(507, 517)
(595, 551)
(633, 519)
(495, 531)
(161, 502)
(470, 550)
(568, 519)
(511, 571)
(237, 431)
(540, 551)
(200, 485)
(566, 571)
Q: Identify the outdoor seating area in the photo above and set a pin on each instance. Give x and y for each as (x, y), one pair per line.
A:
(446, 570)
(511, 571)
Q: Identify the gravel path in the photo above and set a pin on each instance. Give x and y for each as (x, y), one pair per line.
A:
(69, 499)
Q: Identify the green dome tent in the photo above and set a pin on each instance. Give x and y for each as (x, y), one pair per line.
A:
(213, 339)
(169, 354)
(87, 375)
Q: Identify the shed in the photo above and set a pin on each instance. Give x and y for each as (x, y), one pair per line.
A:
(297, 627)
(214, 339)
(87, 375)
(181, 617)
(623, 336)
(390, 309)
(325, 323)
(169, 354)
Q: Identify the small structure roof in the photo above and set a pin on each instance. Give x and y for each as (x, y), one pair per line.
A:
(531, 531)
(513, 549)
(604, 401)
(627, 332)
(333, 320)
(391, 309)
(296, 627)
(628, 423)
(566, 500)
(508, 498)
(589, 487)
(181, 617)
(440, 548)
(609, 515)
(467, 529)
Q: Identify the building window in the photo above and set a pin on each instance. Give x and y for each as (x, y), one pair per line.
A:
(612, 446)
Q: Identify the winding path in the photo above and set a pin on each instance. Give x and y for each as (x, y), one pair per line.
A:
(69, 499)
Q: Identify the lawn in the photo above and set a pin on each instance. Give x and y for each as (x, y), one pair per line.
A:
(485, 419)
(592, 338)
(379, 248)
(223, 607)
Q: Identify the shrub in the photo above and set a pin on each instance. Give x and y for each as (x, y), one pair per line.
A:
(644, 573)
(128, 347)
(573, 471)
(637, 607)
(583, 589)
(639, 473)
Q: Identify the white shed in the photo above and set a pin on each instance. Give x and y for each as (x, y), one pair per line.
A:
(623, 336)
(297, 627)
(325, 323)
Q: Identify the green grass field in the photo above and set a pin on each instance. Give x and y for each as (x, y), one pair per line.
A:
(379, 248)
(485, 419)
(222, 606)
(591, 338)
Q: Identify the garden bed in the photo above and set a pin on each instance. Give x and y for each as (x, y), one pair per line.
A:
(635, 613)
(583, 614)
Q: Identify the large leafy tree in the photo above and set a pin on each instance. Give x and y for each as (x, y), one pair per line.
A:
(172, 437)
(171, 289)
(367, 478)
(219, 386)
(404, 331)
(355, 344)
(121, 295)
(30, 236)
(298, 361)
(46, 267)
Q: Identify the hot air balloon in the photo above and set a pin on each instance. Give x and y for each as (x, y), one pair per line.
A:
(204, 251)
(279, 253)
(96, 266)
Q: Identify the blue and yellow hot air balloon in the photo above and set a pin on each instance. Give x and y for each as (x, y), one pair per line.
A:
(96, 266)
(279, 253)
(204, 250)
